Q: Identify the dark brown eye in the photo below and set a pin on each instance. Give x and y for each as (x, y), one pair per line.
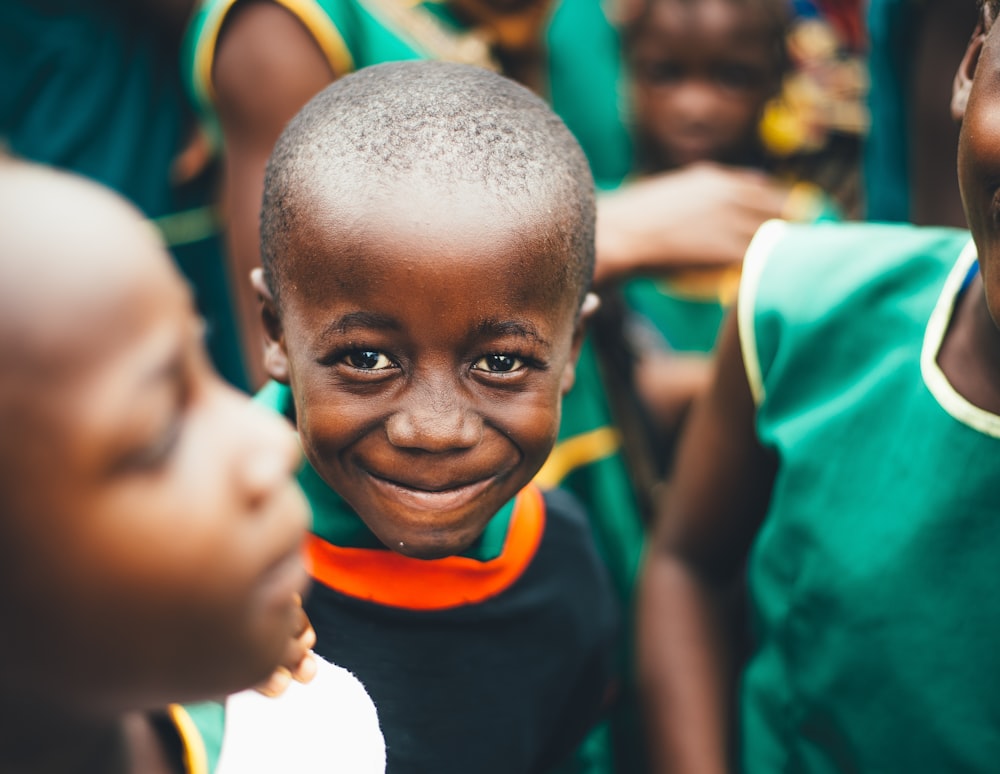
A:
(368, 360)
(498, 363)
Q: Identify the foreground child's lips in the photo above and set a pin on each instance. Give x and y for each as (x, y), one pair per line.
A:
(438, 498)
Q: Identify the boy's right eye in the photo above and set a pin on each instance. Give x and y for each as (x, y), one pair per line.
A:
(368, 360)
(661, 72)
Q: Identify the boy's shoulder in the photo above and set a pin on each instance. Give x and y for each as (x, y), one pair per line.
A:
(807, 270)
(822, 306)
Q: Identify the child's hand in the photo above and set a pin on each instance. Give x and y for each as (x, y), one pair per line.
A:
(701, 216)
(298, 663)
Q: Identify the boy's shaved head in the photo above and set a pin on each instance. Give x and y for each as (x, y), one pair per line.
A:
(443, 130)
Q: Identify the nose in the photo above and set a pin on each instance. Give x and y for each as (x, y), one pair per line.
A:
(435, 417)
(269, 452)
(694, 101)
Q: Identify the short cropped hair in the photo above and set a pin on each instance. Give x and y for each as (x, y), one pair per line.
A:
(442, 125)
(991, 6)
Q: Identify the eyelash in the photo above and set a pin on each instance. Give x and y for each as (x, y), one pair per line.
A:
(385, 363)
(159, 451)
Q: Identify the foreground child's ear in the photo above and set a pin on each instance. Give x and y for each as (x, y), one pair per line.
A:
(275, 358)
(966, 72)
(590, 304)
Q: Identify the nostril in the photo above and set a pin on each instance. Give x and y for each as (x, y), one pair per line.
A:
(432, 430)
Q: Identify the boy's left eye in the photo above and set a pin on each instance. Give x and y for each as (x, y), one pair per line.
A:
(498, 363)
(368, 360)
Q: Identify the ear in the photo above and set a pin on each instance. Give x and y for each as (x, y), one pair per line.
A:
(275, 357)
(590, 304)
(966, 72)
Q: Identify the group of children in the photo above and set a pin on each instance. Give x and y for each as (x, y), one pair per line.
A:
(812, 598)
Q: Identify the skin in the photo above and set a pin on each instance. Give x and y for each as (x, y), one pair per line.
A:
(268, 66)
(427, 349)
(162, 563)
(701, 75)
(720, 489)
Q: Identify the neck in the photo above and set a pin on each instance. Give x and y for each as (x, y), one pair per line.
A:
(37, 739)
(970, 353)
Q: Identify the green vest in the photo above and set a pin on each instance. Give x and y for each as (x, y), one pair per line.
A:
(872, 577)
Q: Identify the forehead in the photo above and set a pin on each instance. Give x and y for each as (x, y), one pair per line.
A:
(728, 22)
(435, 242)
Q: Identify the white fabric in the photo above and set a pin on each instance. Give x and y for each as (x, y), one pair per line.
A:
(327, 725)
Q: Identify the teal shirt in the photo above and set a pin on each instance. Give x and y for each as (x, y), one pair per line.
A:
(85, 87)
(872, 577)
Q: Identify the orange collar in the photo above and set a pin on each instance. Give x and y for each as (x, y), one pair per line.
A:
(394, 580)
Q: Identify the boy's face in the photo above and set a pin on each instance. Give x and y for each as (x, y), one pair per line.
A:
(154, 539)
(427, 352)
(702, 73)
(976, 102)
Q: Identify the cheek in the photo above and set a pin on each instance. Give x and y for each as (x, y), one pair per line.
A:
(531, 422)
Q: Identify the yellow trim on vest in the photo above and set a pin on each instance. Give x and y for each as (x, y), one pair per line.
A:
(763, 242)
(325, 33)
(337, 54)
(204, 53)
(195, 757)
(576, 452)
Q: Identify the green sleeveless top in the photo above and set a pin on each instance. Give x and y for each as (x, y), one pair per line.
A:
(586, 86)
(871, 577)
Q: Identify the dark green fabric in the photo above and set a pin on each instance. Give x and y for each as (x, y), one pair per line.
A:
(91, 88)
(892, 35)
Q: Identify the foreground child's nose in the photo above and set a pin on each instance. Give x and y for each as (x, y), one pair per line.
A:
(268, 447)
(435, 422)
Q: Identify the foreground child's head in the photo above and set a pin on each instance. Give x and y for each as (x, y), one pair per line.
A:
(149, 524)
(702, 72)
(427, 233)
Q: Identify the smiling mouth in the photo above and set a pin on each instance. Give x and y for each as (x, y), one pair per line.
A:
(418, 498)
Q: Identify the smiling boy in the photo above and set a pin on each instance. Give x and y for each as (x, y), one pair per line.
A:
(427, 232)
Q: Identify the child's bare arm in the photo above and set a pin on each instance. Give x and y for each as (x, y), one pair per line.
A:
(700, 216)
(688, 638)
(267, 67)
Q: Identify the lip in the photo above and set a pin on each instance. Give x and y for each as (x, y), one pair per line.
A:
(441, 499)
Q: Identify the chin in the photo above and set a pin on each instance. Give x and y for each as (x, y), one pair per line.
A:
(432, 544)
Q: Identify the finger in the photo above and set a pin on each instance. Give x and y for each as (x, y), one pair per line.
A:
(277, 683)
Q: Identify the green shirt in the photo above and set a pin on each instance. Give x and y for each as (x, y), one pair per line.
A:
(872, 577)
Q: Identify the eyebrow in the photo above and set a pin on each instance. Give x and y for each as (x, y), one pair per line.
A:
(520, 328)
(360, 320)
(166, 362)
